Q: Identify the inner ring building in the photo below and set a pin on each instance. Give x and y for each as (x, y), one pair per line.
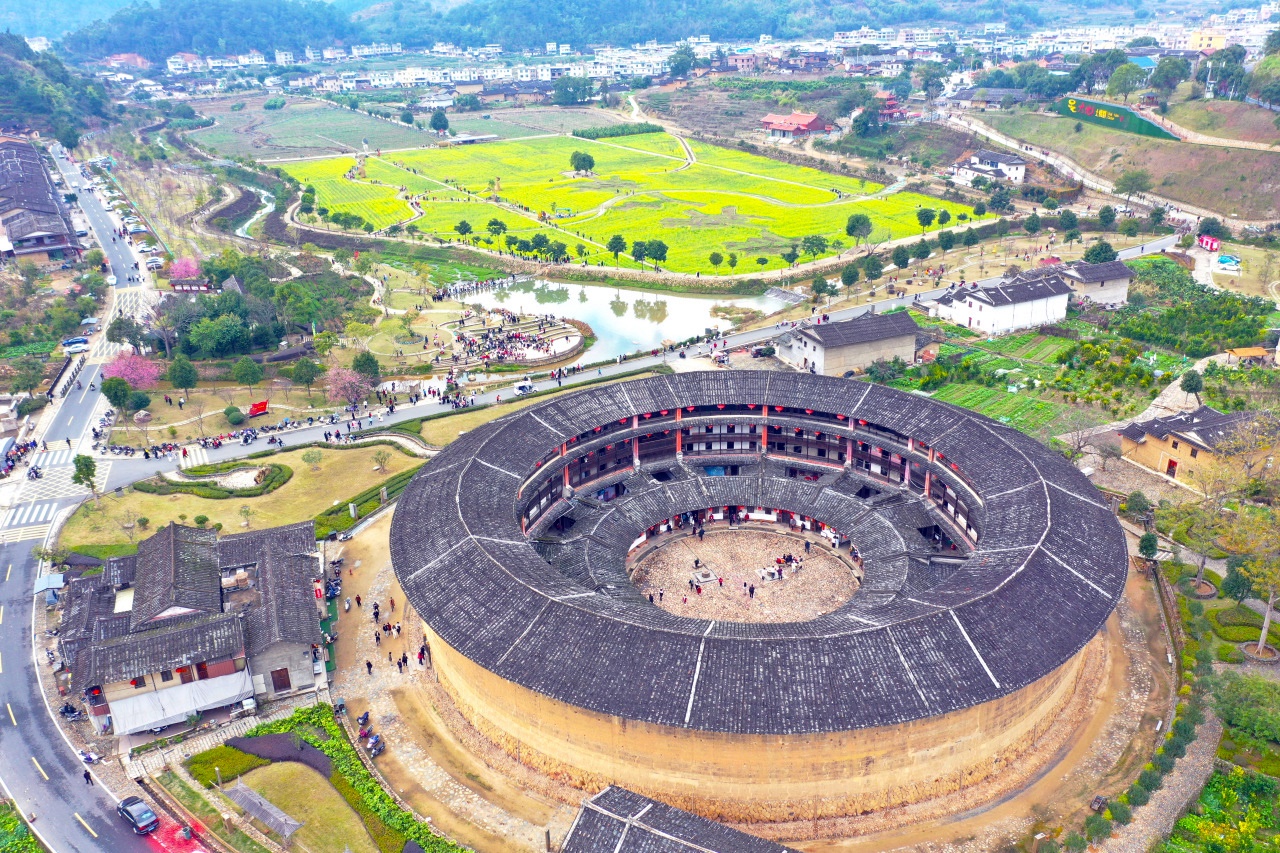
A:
(986, 565)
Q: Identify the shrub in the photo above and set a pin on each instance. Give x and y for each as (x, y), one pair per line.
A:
(1163, 761)
(234, 416)
(1075, 842)
(1138, 795)
(31, 405)
(1097, 827)
(143, 522)
(1175, 748)
(1121, 813)
(201, 520)
(1230, 654)
(1151, 780)
(228, 761)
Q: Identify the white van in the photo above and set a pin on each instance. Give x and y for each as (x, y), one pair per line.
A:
(524, 386)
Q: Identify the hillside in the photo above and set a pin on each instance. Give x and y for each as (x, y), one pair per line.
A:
(213, 28)
(56, 18)
(38, 91)
(1235, 181)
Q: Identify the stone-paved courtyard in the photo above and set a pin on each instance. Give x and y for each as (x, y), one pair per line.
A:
(807, 590)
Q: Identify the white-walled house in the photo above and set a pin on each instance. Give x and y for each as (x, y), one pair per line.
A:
(1008, 306)
(992, 165)
(1105, 284)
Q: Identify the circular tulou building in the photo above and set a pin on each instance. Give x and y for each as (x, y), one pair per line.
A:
(975, 564)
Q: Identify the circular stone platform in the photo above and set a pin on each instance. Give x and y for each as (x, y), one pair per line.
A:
(806, 591)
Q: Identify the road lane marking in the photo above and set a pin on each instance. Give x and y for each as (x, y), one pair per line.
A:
(1, 614)
(1, 665)
(88, 828)
(12, 718)
(8, 572)
(41, 769)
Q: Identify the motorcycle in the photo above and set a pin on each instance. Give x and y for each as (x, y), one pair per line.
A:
(365, 732)
(363, 718)
(375, 740)
(346, 605)
(375, 751)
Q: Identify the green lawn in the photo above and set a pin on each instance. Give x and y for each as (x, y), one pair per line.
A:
(642, 188)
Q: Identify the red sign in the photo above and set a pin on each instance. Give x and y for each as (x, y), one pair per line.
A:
(256, 409)
(319, 590)
(1211, 244)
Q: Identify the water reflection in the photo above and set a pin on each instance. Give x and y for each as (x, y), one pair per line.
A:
(624, 321)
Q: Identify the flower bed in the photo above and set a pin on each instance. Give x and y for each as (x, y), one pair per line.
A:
(388, 823)
(275, 477)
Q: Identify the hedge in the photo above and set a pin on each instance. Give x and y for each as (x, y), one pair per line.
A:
(277, 476)
(338, 518)
(316, 725)
(228, 761)
(613, 131)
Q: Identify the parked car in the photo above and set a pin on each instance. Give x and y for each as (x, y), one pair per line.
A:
(111, 281)
(76, 349)
(78, 339)
(138, 815)
(155, 264)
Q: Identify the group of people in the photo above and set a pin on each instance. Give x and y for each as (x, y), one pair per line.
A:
(17, 454)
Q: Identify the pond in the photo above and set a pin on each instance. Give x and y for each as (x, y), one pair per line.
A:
(624, 321)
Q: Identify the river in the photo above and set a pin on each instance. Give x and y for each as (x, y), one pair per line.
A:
(624, 321)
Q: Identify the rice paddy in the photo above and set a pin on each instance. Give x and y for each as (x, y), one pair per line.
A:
(738, 205)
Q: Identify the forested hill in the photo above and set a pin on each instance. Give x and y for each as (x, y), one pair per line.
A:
(213, 28)
(38, 91)
(53, 18)
(531, 23)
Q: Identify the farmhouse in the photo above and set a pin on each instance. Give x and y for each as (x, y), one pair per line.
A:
(992, 165)
(193, 622)
(839, 349)
(1106, 283)
(36, 225)
(1174, 445)
(796, 125)
(1023, 302)
(981, 97)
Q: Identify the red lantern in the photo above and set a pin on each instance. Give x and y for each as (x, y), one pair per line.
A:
(599, 428)
(663, 412)
(777, 408)
(719, 405)
(688, 408)
(751, 405)
(861, 422)
(808, 411)
(622, 420)
(840, 417)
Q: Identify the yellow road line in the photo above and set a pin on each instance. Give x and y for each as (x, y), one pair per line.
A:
(1, 665)
(1, 614)
(12, 718)
(88, 828)
(8, 572)
(41, 769)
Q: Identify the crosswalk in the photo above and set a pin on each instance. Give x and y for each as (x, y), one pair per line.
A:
(24, 534)
(54, 457)
(56, 483)
(196, 455)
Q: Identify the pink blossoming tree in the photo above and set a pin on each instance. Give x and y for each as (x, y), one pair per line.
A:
(348, 386)
(141, 373)
(184, 268)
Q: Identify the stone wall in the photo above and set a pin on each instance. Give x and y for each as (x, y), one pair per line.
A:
(740, 778)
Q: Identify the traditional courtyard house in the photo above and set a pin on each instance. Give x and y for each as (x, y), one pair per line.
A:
(1023, 302)
(35, 224)
(194, 622)
(992, 165)
(1174, 445)
(839, 349)
(1105, 283)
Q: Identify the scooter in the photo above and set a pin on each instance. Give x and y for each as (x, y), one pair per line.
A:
(365, 732)
(375, 751)
(363, 718)
(346, 605)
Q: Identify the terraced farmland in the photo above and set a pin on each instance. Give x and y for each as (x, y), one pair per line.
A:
(642, 188)
(1023, 412)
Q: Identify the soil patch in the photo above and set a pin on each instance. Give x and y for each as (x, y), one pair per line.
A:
(281, 747)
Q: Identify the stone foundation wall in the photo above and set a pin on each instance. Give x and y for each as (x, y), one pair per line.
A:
(759, 778)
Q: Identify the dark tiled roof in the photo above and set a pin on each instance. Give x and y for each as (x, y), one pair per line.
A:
(1205, 427)
(1026, 287)
(622, 821)
(29, 202)
(176, 568)
(563, 621)
(1090, 273)
(287, 610)
(206, 637)
(986, 155)
(862, 330)
(244, 549)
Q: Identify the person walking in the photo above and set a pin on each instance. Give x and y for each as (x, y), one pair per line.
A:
(88, 778)
(357, 601)
(368, 665)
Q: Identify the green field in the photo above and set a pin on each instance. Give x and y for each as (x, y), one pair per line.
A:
(1020, 411)
(642, 188)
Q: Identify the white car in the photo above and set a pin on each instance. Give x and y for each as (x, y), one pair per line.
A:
(75, 349)
(155, 264)
(111, 280)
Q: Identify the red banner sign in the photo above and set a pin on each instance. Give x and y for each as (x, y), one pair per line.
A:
(256, 409)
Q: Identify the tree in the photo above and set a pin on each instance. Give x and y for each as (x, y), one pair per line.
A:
(1148, 545)
(28, 373)
(246, 512)
(126, 330)
(1097, 827)
(920, 251)
(325, 342)
(1132, 182)
(138, 371)
(306, 371)
(1129, 228)
(439, 121)
(381, 458)
(821, 287)
(248, 372)
(681, 61)
(1236, 585)
(313, 457)
(656, 250)
(463, 228)
(1032, 224)
(617, 245)
(1068, 219)
(86, 470)
(716, 259)
(946, 240)
(580, 161)
(925, 216)
(496, 227)
(901, 257)
(814, 245)
(944, 216)
(1156, 217)
(1075, 842)
(872, 267)
(366, 364)
(1192, 383)
(1213, 227)
(732, 260)
(348, 386)
(970, 237)
(568, 91)
(858, 227)
(1168, 73)
(1100, 253)
(1261, 527)
(1106, 216)
(979, 209)
(407, 117)
(183, 268)
(790, 256)
(183, 374)
(849, 276)
(1126, 80)
(639, 251)
(117, 391)
(1072, 236)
